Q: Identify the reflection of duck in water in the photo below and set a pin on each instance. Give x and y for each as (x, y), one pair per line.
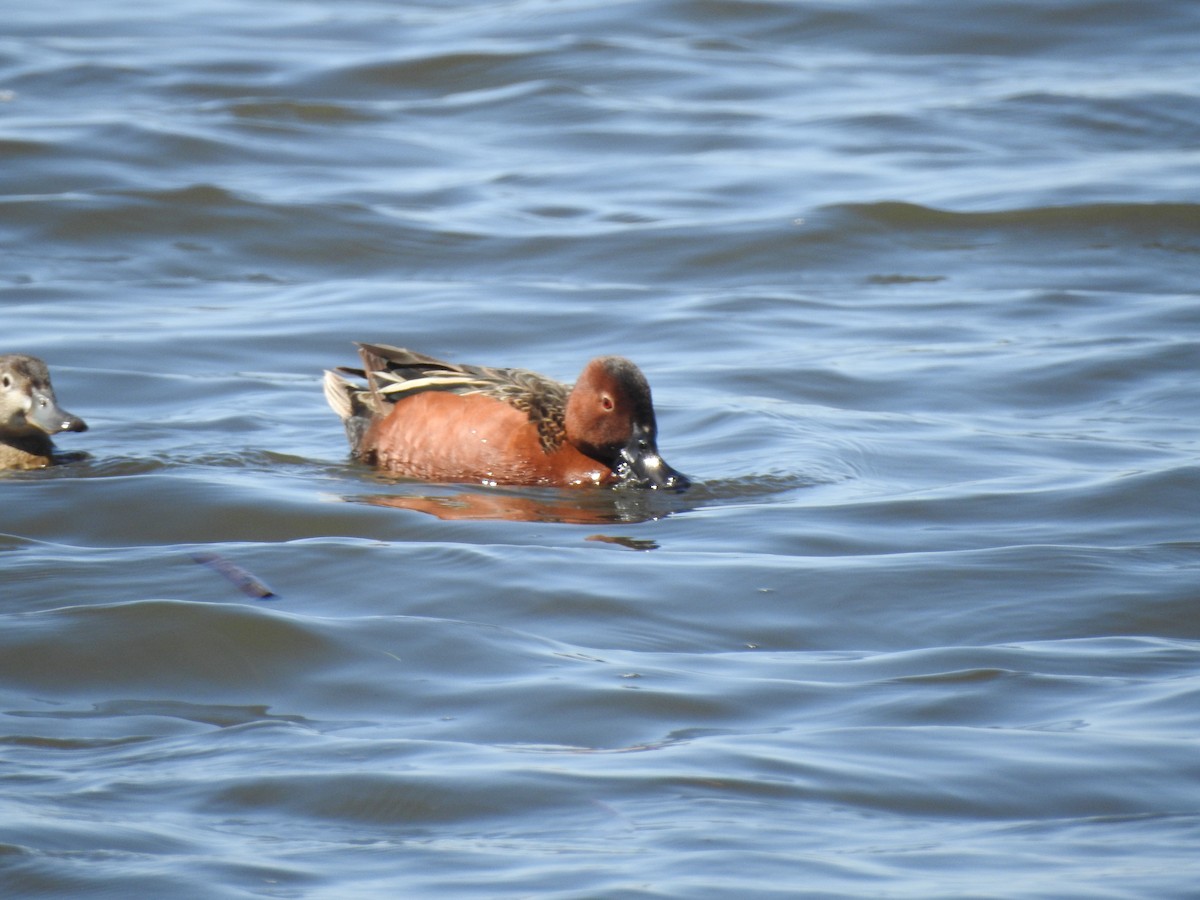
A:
(596, 507)
(424, 418)
(29, 413)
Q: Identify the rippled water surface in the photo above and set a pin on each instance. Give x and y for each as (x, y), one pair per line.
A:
(915, 285)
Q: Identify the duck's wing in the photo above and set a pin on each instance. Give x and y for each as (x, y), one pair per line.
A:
(396, 372)
(393, 373)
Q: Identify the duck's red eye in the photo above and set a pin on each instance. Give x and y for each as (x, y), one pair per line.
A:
(606, 402)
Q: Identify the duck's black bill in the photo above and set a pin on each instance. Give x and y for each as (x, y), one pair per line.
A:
(641, 466)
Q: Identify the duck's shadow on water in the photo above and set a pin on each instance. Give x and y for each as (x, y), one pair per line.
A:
(599, 506)
(573, 507)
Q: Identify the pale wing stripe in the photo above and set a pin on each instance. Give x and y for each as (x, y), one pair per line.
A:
(416, 384)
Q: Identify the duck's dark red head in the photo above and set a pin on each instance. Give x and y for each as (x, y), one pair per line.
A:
(610, 417)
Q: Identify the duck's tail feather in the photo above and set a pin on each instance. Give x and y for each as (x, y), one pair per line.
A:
(338, 394)
(346, 399)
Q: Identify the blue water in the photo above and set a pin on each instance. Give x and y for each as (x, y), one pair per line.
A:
(915, 285)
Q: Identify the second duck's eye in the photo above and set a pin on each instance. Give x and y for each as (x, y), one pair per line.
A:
(606, 402)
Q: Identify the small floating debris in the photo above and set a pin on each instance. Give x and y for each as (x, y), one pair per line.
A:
(904, 279)
(245, 582)
(631, 543)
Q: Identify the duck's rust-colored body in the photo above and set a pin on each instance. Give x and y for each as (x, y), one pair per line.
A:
(432, 420)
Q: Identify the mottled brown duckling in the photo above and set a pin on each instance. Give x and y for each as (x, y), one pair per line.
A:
(29, 413)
